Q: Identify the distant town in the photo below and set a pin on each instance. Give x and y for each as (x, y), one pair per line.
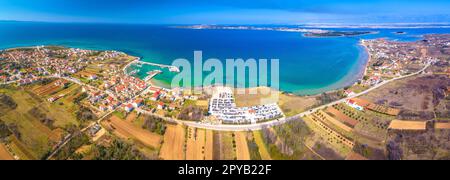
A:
(308, 32)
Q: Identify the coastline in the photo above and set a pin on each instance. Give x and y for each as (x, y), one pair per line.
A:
(357, 73)
(345, 81)
(369, 57)
(353, 76)
(308, 35)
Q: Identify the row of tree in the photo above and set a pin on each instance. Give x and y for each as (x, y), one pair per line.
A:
(154, 124)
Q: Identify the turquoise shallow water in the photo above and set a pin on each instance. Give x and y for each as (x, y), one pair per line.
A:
(307, 65)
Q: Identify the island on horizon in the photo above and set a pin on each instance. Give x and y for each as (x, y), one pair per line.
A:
(307, 32)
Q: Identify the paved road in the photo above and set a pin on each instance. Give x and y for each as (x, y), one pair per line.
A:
(9, 82)
(56, 150)
(259, 126)
(223, 127)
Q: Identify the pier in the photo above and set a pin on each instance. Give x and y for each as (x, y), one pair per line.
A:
(152, 74)
(171, 68)
(140, 63)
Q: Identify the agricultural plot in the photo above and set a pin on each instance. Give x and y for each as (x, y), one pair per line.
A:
(86, 73)
(131, 117)
(63, 109)
(4, 154)
(408, 125)
(342, 117)
(383, 109)
(195, 147)
(224, 146)
(242, 151)
(174, 143)
(417, 140)
(209, 145)
(261, 146)
(371, 126)
(19, 149)
(287, 141)
(127, 130)
(202, 103)
(355, 156)
(49, 89)
(85, 149)
(327, 119)
(253, 149)
(39, 124)
(324, 135)
(441, 125)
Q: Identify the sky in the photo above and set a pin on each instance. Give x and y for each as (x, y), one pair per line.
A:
(227, 11)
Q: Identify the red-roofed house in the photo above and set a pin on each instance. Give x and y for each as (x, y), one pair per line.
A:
(129, 108)
(137, 103)
(349, 93)
(110, 99)
(103, 108)
(154, 89)
(172, 106)
(3, 78)
(155, 96)
(354, 105)
(161, 105)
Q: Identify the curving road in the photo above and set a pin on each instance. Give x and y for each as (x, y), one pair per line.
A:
(259, 126)
(221, 127)
(247, 127)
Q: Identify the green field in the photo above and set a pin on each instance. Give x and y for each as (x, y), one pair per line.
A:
(34, 138)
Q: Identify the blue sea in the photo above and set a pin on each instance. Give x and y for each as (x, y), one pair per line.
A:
(307, 65)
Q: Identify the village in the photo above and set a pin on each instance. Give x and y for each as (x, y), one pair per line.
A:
(104, 101)
(108, 88)
(94, 85)
(390, 59)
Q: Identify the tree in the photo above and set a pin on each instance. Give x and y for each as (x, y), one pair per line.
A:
(4, 130)
(118, 150)
(154, 124)
(78, 99)
(7, 102)
(68, 151)
(85, 114)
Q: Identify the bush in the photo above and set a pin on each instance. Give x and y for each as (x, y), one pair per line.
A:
(154, 124)
(118, 150)
(78, 99)
(15, 131)
(4, 130)
(42, 117)
(7, 102)
(85, 114)
(254, 150)
(44, 81)
(191, 113)
(68, 151)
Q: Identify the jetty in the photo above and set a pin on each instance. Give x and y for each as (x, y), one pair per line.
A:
(152, 74)
(171, 68)
(140, 63)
